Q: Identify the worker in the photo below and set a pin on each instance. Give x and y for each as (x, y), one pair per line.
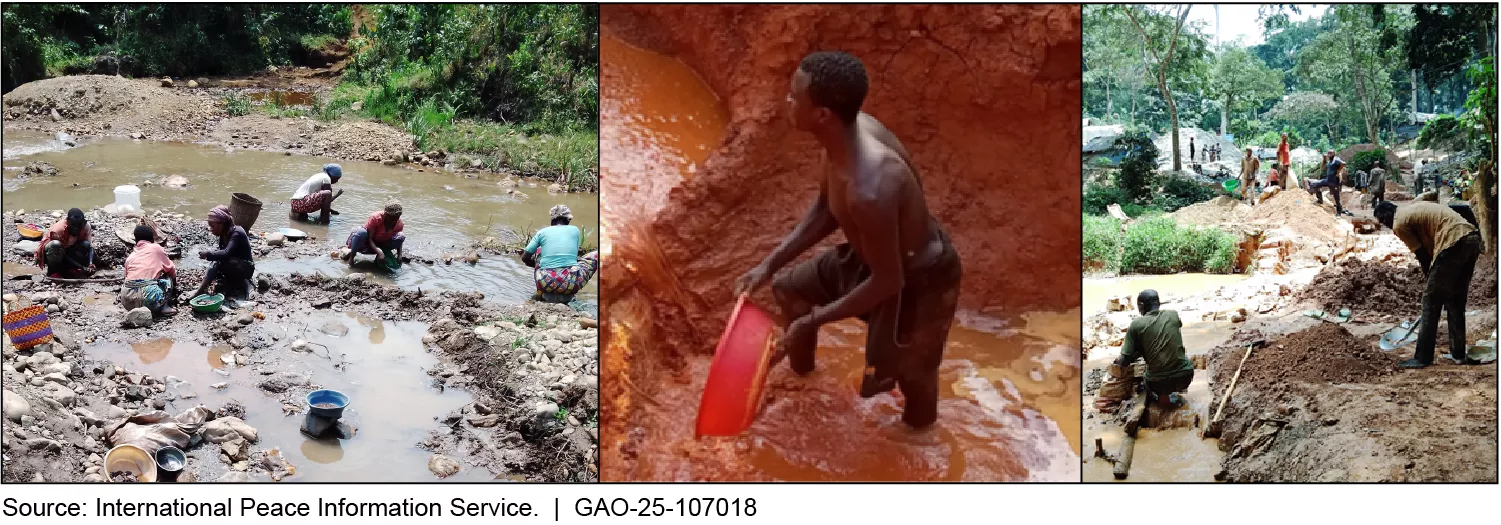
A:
(1334, 169)
(380, 236)
(65, 250)
(1446, 246)
(1249, 164)
(1284, 159)
(1190, 149)
(317, 195)
(233, 265)
(1377, 185)
(554, 252)
(898, 270)
(150, 276)
(1157, 338)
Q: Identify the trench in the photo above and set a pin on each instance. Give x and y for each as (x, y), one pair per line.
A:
(1009, 394)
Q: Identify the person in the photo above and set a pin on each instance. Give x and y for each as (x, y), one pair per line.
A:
(1334, 168)
(1361, 180)
(1274, 177)
(1249, 165)
(898, 271)
(1191, 156)
(317, 195)
(66, 250)
(554, 252)
(380, 235)
(150, 276)
(1284, 159)
(1446, 246)
(1377, 185)
(1157, 338)
(232, 265)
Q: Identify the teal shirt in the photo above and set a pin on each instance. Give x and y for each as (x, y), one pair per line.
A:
(560, 246)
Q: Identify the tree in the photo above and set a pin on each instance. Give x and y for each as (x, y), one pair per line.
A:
(1112, 56)
(1306, 109)
(1444, 38)
(1356, 61)
(1240, 79)
(1162, 52)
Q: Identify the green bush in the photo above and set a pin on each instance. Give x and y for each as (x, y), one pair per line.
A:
(1138, 172)
(1443, 132)
(1178, 192)
(236, 104)
(1158, 245)
(1102, 243)
(1363, 161)
(1098, 197)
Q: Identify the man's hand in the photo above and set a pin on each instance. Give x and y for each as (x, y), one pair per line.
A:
(753, 280)
(203, 254)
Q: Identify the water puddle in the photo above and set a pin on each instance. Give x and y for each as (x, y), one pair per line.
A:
(441, 210)
(393, 403)
(1176, 286)
(1173, 455)
(285, 98)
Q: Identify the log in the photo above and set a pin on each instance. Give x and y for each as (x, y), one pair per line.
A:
(1123, 463)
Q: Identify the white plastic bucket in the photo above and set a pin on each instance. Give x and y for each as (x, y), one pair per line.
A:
(127, 198)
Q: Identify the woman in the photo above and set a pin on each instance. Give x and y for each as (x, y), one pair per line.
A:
(65, 250)
(150, 276)
(233, 267)
(560, 272)
(381, 234)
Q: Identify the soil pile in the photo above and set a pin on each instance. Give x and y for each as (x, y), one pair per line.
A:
(1324, 353)
(1380, 287)
(1213, 212)
(91, 103)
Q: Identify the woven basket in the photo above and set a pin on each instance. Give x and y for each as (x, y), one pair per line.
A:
(28, 327)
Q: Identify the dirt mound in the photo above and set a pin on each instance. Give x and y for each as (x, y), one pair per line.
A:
(1483, 283)
(87, 103)
(1348, 155)
(1216, 211)
(1324, 353)
(361, 140)
(1371, 287)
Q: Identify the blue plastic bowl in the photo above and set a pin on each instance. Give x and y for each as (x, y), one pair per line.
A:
(327, 397)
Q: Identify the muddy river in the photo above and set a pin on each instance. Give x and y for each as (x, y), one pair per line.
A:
(1175, 454)
(1010, 395)
(443, 212)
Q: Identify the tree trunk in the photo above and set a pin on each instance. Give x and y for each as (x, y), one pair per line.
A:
(1109, 108)
(1172, 111)
(1484, 201)
(1414, 108)
(1225, 115)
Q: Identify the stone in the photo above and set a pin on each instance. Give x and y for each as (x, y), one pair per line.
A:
(15, 406)
(442, 466)
(245, 319)
(219, 386)
(56, 378)
(52, 309)
(10, 298)
(192, 83)
(138, 318)
(556, 188)
(335, 329)
(237, 449)
(167, 82)
(226, 429)
(55, 116)
(486, 332)
(484, 421)
(545, 408)
(94, 478)
(60, 394)
(276, 239)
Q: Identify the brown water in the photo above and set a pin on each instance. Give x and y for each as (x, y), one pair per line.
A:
(1175, 454)
(441, 210)
(392, 404)
(285, 98)
(1010, 395)
(1182, 285)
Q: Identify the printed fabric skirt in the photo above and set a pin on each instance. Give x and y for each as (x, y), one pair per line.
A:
(568, 280)
(150, 293)
(313, 202)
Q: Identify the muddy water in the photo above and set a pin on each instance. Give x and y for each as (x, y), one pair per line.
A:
(1010, 389)
(392, 401)
(441, 210)
(1176, 286)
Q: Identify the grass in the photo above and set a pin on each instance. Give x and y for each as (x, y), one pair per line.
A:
(1102, 243)
(1158, 245)
(237, 104)
(311, 42)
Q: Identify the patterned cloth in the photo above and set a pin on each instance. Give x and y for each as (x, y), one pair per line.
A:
(313, 202)
(150, 293)
(568, 280)
(28, 327)
(359, 241)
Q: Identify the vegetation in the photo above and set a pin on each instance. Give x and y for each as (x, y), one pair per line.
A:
(1158, 245)
(1364, 161)
(1102, 244)
(1137, 175)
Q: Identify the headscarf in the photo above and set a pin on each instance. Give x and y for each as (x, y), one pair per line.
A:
(333, 170)
(220, 213)
(76, 218)
(560, 211)
(393, 208)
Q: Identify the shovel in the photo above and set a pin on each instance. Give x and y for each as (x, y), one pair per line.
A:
(1403, 335)
(1213, 429)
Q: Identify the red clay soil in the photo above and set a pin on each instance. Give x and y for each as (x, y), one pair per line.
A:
(1373, 287)
(986, 99)
(1330, 407)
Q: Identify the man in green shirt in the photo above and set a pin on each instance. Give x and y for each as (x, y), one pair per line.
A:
(1157, 337)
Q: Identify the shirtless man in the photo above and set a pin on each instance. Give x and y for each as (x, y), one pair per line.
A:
(899, 273)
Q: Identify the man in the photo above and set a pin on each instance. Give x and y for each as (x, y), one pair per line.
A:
(233, 263)
(150, 276)
(1191, 156)
(1446, 246)
(380, 235)
(1249, 165)
(1157, 338)
(1334, 168)
(1284, 159)
(1378, 184)
(554, 252)
(317, 195)
(1362, 180)
(898, 271)
(66, 250)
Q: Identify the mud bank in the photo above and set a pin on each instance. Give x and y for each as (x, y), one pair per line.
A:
(711, 202)
(511, 389)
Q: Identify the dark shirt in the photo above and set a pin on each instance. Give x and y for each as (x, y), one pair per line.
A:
(237, 246)
(1331, 172)
(1157, 337)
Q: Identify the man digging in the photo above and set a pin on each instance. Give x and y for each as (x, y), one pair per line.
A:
(1157, 338)
(1446, 246)
(898, 271)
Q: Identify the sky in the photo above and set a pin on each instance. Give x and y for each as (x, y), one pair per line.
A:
(1240, 20)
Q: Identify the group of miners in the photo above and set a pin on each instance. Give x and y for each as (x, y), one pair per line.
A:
(151, 278)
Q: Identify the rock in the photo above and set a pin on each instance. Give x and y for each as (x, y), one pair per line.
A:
(52, 309)
(167, 82)
(219, 386)
(589, 381)
(276, 239)
(40, 359)
(15, 406)
(245, 319)
(486, 332)
(586, 322)
(234, 477)
(237, 449)
(227, 429)
(192, 83)
(357, 105)
(137, 136)
(10, 298)
(176, 181)
(484, 421)
(94, 478)
(556, 188)
(60, 394)
(545, 408)
(442, 466)
(335, 329)
(138, 318)
(55, 116)
(66, 139)
(227, 359)
(25, 247)
(56, 378)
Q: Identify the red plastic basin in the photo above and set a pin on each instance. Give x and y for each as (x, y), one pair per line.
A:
(738, 372)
